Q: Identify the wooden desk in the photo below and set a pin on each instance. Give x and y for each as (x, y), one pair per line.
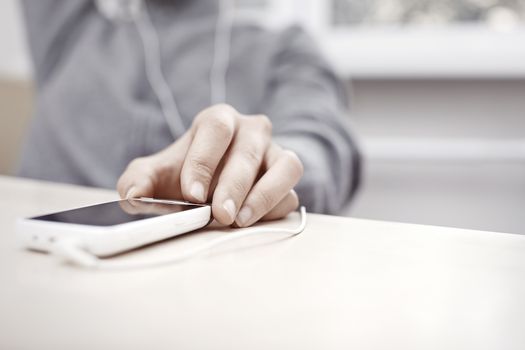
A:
(343, 284)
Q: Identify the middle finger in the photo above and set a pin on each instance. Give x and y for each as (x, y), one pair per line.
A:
(212, 137)
(241, 167)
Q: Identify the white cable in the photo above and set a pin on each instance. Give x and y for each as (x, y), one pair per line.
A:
(153, 62)
(218, 72)
(119, 10)
(222, 48)
(70, 250)
(137, 12)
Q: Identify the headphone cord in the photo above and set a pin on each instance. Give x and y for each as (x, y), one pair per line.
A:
(153, 62)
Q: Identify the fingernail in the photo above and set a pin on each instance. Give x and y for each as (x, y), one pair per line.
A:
(197, 191)
(131, 192)
(244, 216)
(230, 208)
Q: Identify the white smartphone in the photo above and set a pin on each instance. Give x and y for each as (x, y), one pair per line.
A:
(111, 228)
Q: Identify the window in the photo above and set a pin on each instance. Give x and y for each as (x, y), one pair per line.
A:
(408, 38)
(499, 14)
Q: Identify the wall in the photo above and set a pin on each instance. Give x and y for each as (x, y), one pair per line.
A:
(15, 110)
(486, 194)
(15, 61)
(15, 86)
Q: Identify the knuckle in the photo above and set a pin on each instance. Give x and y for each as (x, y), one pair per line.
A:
(252, 156)
(221, 115)
(267, 200)
(265, 122)
(221, 124)
(201, 167)
(137, 163)
(164, 169)
(259, 124)
(294, 163)
(224, 108)
(240, 187)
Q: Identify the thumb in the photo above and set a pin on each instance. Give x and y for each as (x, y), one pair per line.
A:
(137, 180)
(157, 174)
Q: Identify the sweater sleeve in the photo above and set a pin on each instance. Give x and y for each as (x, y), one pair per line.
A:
(308, 105)
(52, 27)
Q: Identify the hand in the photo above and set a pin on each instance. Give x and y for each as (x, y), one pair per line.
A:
(226, 158)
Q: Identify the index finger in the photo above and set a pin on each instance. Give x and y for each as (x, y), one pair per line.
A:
(214, 130)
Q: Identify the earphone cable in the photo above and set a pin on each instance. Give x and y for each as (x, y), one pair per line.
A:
(137, 12)
(153, 61)
(153, 65)
(222, 48)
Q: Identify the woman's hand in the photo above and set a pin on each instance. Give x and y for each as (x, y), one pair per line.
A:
(226, 158)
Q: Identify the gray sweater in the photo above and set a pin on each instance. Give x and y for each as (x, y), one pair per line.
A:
(95, 110)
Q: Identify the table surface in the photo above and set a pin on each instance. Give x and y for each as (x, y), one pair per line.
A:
(344, 283)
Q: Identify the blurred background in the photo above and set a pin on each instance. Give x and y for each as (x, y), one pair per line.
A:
(438, 101)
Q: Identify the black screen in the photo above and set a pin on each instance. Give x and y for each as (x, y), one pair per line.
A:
(115, 213)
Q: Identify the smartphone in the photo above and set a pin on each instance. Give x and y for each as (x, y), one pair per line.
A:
(110, 228)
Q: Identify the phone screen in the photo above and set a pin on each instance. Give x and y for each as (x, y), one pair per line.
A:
(116, 213)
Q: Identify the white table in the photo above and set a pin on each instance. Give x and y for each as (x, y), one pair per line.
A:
(343, 284)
